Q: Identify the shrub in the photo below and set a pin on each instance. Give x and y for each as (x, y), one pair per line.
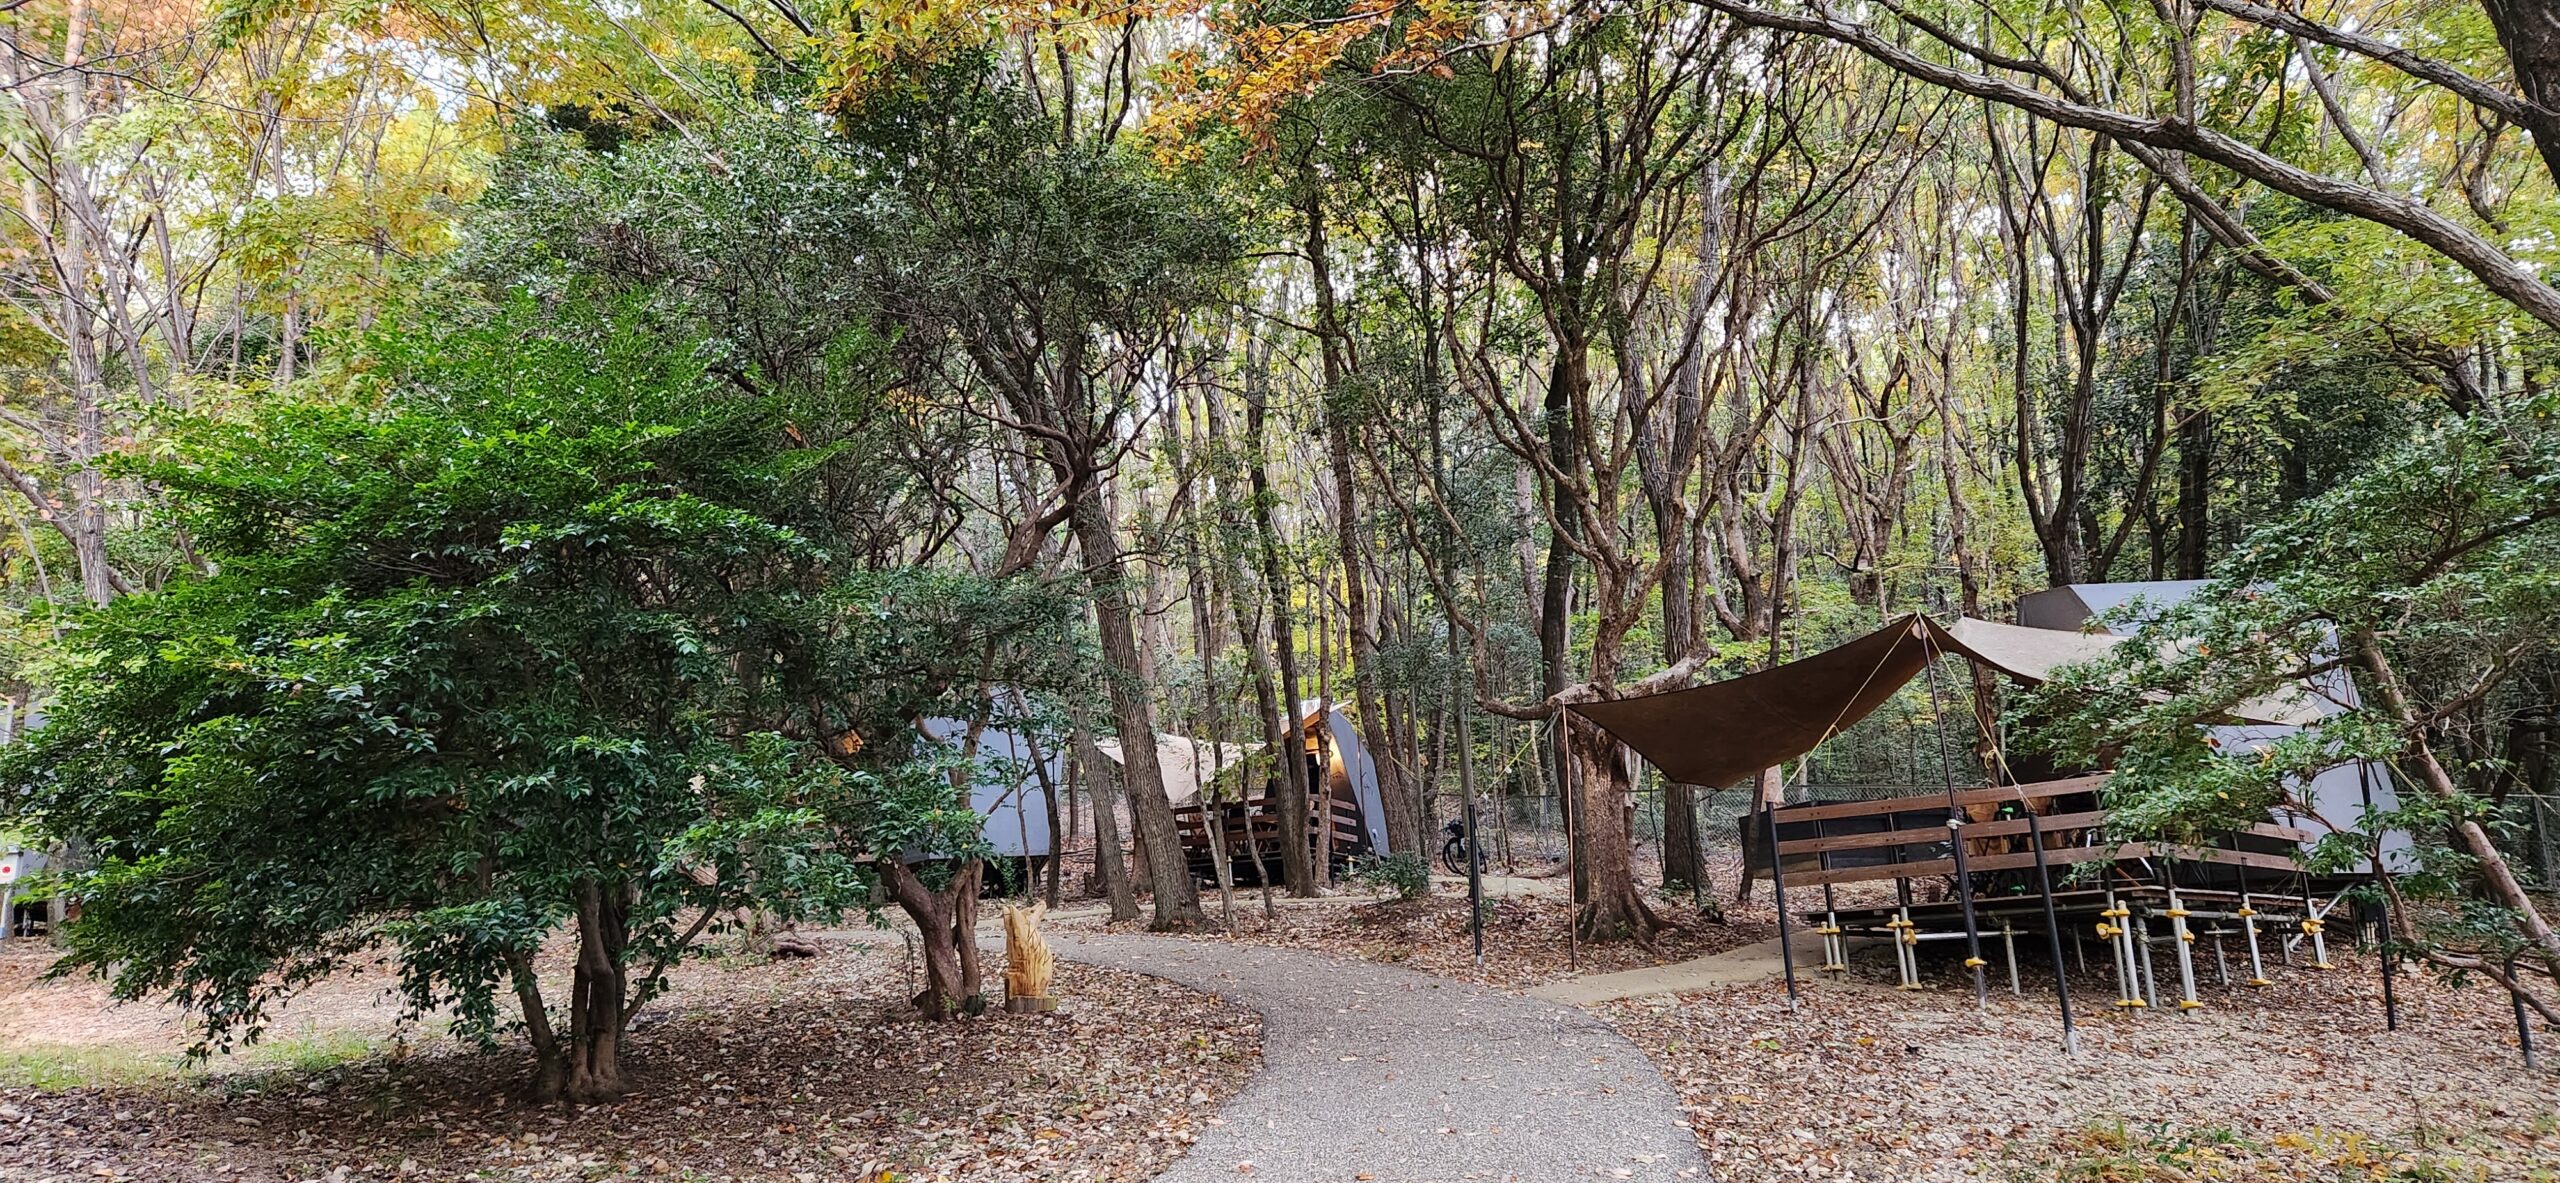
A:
(1404, 875)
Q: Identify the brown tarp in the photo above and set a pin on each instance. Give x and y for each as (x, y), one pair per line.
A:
(1721, 732)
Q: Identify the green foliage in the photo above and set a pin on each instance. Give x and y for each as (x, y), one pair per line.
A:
(1404, 874)
(2439, 566)
(511, 639)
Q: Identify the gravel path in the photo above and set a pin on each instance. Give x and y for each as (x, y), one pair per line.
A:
(1371, 1072)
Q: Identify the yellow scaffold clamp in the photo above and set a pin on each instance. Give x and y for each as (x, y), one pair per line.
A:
(2176, 912)
(2108, 930)
(1829, 930)
(2189, 1004)
(2118, 912)
(2188, 937)
(2312, 924)
(1974, 963)
(2246, 910)
(2257, 982)
(2132, 1003)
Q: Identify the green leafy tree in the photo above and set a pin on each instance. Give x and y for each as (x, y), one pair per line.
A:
(487, 652)
(2427, 582)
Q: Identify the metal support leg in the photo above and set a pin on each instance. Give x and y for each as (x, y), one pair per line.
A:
(2249, 925)
(2185, 940)
(1906, 949)
(2311, 927)
(2111, 929)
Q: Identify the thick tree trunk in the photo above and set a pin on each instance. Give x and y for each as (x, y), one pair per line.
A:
(1612, 908)
(597, 996)
(946, 934)
(1296, 864)
(2529, 30)
(1177, 900)
(1555, 603)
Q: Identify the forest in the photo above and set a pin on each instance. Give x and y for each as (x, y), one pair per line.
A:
(489, 472)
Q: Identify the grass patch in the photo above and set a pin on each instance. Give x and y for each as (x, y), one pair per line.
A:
(57, 1068)
(54, 1069)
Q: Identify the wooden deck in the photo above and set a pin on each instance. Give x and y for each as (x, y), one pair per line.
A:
(1252, 827)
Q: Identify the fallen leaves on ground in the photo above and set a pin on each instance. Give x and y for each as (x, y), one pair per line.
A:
(788, 1071)
(2298, 1081)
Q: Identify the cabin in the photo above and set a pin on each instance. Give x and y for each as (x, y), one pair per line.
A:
(1346, 818)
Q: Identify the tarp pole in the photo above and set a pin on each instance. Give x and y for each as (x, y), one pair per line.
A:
(1778, 896)
(2044, 891)
(2052, 930)
(1568, 780)
(1955, 825)
(1475, 850)
(2382, 899)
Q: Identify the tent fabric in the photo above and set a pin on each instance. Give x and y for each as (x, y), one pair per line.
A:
(1187, 763)
(2032, 654)
(1721, 732)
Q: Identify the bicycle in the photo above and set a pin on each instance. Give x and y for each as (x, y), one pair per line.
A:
(1454, 849)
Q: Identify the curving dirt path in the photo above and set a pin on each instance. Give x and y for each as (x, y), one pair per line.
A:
(1376, 1073)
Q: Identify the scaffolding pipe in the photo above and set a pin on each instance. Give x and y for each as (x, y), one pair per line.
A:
(2249, 924)
(2185, 941)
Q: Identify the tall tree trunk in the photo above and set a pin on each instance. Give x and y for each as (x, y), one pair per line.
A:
(1394, 789)
(2195, 492)
(1177, 899)
(1565, 379)
(2437, 780)
(1296, 863)
(1612, 908)
(2529, 30)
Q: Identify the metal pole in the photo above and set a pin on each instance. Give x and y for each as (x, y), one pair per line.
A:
(2053, 933)
(1778, 896)
(2185, 940)
(2249, 925)
(1474, 851)
(2382, 899)
(1569, 775)
(2390, 994)
(1955, 827)
(1697, 855)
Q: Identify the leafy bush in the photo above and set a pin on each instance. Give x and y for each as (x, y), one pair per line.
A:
(1404, 874)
